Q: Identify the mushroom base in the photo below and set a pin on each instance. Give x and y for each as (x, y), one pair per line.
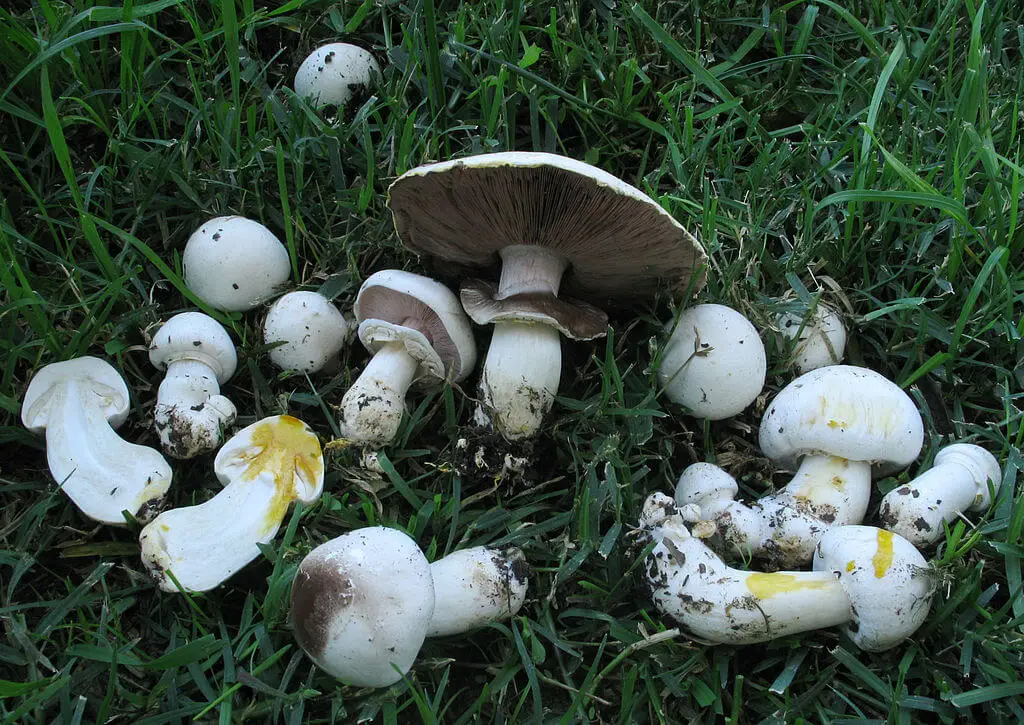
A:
(371, 411)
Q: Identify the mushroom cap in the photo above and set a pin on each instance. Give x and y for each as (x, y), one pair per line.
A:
(233, 263)
(704, 482)
(280, 448)
(314, 331)
(843, 411)
(887, 579)
(361, 604)
(194, 336)
(714, 363)
(100, 376)
(821, 341)
(328, 74)
(618, 242)
(424, 315)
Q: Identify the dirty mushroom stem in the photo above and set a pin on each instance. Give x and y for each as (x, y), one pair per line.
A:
(372, 408)
(190, 382)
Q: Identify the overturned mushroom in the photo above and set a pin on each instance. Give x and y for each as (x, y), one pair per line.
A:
(199, 357)
(264, 468)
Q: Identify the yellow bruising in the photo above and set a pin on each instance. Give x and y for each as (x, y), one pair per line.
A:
(764, 586)
(286, 448)
(840, 413)
(883, 557)
(850, 566)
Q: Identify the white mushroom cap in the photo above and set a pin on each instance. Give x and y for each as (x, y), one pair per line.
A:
(328, 74)
(362, 603)
(313, 331)
(888, 581)
(423, 314)
(474, 587)
(714, 362)
(822, 337)
(845, 411)
(198, 337)
(233, 263)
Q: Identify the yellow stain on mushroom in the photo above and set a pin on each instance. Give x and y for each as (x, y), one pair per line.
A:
(764, 586)
(850, 566)
(883, 556)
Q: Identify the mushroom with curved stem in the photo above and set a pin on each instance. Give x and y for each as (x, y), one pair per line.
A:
(838, 422)
(872, 582)
(77, 404)
(957, 482)
(329, 74)
(551, 222)
(311, 329)
(820, 338)
(418, 335)
(264, 468)
(198, 355)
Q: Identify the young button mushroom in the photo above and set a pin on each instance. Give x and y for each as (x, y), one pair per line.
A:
(312, 329)
(199, 357)
(549, 220)
(474, 587)
(362, 605)
(329, 74)
(714, 362)
(78, 404)
(235, 264)
(958, 481)
(418, 335)
(837, 422)
(263, 468)
(820, 338)
(871, 581)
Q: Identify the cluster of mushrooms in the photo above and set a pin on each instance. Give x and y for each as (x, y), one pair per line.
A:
(363, 603)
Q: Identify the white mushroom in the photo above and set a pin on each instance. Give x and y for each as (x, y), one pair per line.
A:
(958, 482)
(264, 468)
(233, 263)
(872, 582)
(329, 74)
(77, 404)
(714, 362)
(474, 587)
(836, 421)
(199, 357)
(418, 335)
(312, 329)
(362, 604)
(820, 338)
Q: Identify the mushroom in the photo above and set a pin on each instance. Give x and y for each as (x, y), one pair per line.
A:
(312, 330)
(418, 335)
(477, 586)
(958, 481)
(362, 604)
(837, 421)
(820, 337)
(78, 403)
(199, 357)
(872, 582)
(235, 264)
(545, 217)
(329, 74)
(714, 362)
(264, 467)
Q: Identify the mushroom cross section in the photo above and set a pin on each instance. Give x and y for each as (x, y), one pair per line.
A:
(550, 222)
(77, 404)
(264, 468)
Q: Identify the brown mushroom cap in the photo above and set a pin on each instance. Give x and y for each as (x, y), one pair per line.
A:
(574, 319)
(618, 242)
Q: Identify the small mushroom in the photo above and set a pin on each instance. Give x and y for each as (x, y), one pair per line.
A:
(199, 357)
(837, 421)
(547, 219)
(820, 337)
(329, 74)
(958, 481)
(312, 329)
(235, 264)
(872, 582)
(264, 468)
(418, 335)
(477, 586)
(714, 362)
(78, 403)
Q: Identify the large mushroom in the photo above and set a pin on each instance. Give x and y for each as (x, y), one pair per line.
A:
(78, 403)
(418, 335)
(548, 220)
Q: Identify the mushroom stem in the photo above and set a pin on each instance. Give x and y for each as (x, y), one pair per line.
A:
(190, 412)
(474, 587)
(372, 409)
(527, 268)
(520, 376)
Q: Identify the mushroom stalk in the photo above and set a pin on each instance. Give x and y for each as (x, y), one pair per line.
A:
(530, 269)
(372, 409)
(190, 412)
(520, 376)
(474, 587)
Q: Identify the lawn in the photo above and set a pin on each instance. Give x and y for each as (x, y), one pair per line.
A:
(864, 153)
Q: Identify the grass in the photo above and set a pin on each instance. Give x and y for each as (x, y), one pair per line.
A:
(868, 153)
